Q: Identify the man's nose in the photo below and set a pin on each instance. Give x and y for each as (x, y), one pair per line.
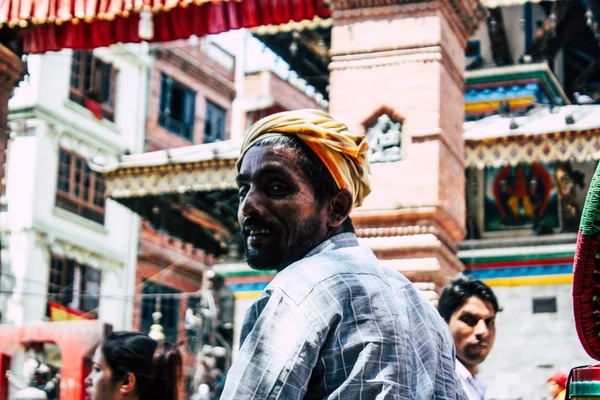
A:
(481, 329)
(251, 204)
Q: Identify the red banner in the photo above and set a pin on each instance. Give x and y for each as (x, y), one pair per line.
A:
(58, 312)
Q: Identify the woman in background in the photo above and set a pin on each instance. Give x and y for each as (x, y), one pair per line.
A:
(558, 385)
(132, 366)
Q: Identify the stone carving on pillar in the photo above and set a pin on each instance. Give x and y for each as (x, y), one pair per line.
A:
(385, 140)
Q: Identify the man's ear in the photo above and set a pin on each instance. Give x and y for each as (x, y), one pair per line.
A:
(340, 207)
(128, 384)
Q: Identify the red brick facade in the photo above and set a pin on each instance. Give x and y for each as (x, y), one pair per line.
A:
(265, 93)
(191, 66)
(408, 58)
(13, 70)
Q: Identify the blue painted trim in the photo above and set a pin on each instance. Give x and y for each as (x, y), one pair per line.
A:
(248, 287)
(523, 271)
(505, 92)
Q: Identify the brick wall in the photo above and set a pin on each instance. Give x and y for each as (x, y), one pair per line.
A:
(13, 70)
(279, 94)
(147, 270)
(288, 96)
(160, 138)
(253, 84)
(410, 63)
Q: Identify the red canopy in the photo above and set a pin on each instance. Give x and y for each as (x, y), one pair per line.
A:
(85, 24)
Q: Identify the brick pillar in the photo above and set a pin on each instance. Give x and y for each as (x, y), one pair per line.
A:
(12, 70)
(405, 58)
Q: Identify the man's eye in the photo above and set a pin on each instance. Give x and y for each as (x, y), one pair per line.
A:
(277, 188)
(242, 191)
(469, 321)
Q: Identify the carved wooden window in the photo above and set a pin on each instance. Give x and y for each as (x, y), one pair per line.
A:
(214, 123)
(177, 108)
(93, 84)
(73, 284)
(79, 189)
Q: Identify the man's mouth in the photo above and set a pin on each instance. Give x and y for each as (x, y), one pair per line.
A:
(480, 347)
(257, 232)
(256, 236)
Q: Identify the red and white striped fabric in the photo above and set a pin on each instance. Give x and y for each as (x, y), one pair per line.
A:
(51, 25)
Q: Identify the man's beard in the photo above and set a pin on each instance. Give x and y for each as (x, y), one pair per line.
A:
(305, 238)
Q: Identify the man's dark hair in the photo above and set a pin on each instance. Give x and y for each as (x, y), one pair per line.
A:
(320, 177)
(459, 290)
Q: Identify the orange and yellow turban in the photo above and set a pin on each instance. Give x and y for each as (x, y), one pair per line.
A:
(343, 152)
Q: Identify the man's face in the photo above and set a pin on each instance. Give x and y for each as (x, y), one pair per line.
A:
(473, 328)
(279, 216)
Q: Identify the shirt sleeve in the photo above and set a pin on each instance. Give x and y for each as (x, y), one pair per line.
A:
(278, 354)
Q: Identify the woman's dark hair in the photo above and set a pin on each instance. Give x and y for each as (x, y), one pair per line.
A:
(320, 177)
(459, 290)
(157, 366)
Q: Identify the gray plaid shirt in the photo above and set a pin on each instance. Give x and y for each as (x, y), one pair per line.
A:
(336, 325)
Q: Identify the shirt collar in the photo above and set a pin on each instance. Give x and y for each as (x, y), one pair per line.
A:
(462, 371)
(474, 387)
(338, 241)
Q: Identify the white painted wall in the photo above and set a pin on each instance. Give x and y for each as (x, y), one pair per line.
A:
(531, 347)
(513, 23)
(482, 35)
(34, 226)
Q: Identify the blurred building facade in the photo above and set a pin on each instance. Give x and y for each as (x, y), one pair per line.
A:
(191, 93)
(67, 252)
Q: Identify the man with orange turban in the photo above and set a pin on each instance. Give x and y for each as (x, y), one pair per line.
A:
(332, 323)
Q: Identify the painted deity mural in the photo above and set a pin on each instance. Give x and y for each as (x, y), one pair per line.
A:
(521, 197)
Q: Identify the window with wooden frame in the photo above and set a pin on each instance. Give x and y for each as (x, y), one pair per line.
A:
(93, 84)
(74, 285)
(79, 189)
(177, 108)
(214, 123)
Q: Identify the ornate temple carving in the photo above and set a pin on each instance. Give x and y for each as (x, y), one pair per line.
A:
(385, 140)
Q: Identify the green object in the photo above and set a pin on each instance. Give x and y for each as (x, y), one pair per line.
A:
(590, 218)
(585, 389)
(586, 275)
